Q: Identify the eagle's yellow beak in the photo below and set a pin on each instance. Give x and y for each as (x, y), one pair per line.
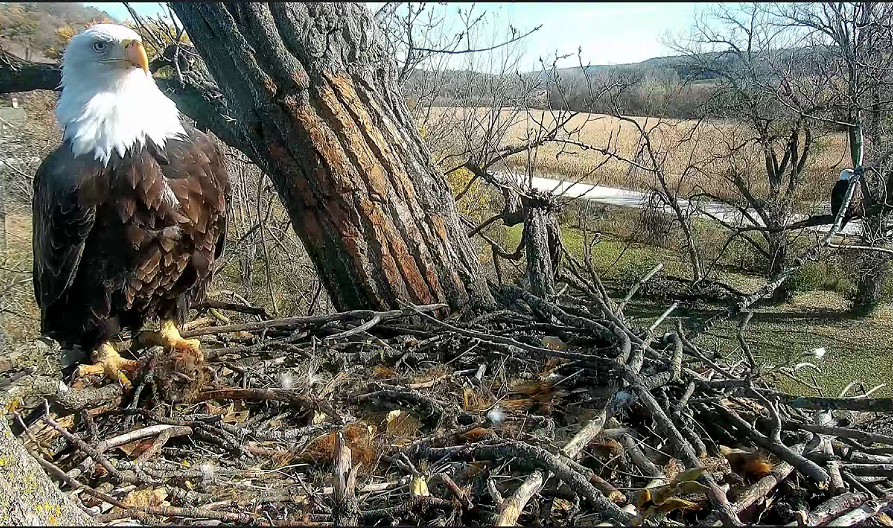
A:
(135, 54)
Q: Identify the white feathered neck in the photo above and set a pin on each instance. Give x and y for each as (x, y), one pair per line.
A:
(111, 110)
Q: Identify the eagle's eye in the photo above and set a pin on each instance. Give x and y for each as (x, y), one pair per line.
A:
(99, 46)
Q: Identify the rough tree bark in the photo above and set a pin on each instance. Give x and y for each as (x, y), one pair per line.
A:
(316, 102)
(543, 245)
(19, 75)
(27, 496)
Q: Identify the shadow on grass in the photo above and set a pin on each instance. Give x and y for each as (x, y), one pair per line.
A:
(647, 310)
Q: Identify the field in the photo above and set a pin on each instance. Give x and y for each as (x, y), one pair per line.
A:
(705, 151)
(858, 349)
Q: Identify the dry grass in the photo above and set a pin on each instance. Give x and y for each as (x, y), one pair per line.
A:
(21, 317)
(678, 143)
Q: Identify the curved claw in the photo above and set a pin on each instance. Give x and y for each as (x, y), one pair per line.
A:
(169, 338)
(107, 361)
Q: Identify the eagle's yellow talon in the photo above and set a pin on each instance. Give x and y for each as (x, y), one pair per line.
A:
(169, 338)
(107, 361)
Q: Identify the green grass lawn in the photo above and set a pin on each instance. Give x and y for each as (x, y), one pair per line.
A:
(856, 348)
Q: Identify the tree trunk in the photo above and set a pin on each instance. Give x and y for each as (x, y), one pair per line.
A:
(22, 75)
(27, 496)
(872, 272)
(316, 101)
(870, 288)
(2, 219)
(540, 271)
(778, 247)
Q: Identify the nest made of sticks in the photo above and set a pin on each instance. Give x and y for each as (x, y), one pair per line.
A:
(547, 413)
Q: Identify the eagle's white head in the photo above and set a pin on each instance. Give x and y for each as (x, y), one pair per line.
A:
(846, 174)
(109, 100)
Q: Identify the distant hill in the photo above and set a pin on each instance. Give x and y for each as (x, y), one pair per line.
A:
(687, 68)
(36, 30)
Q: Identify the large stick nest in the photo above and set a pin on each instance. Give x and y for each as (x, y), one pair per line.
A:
(543, 413)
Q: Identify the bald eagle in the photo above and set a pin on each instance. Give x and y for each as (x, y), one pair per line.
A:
(129, 211)
(838, 192)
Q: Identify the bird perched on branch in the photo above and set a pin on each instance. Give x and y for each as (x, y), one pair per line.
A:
(838, 192)
(130, 210)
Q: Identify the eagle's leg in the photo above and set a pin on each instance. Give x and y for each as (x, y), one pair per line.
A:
(170, 338)
(107, 361)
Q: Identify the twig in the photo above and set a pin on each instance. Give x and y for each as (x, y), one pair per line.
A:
(142, 511)
(852, 247)
(310, 320)
(743, 342)
(159, 442)
(511, 509)
(96, 455)
(232, 307)
(864, 512)
(758, 490)
(632, 291)
(356, 330)
(869, 470)
(283, 395)
(805, 466)
(840, 404)
(663, 316)
(145, 432)
(533, 455)
(683, 448)
(346, 507)
(855, 434)
(835, 506)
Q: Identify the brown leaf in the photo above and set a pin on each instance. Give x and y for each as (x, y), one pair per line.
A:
(477, 434)
(674, 503)
(401, 423)
(661, 494)
(751, 465)
(99, 471)
(382, 372)
(532, 388)
(135, 448)
(146, 497)
(474, 400)
(214, 409)
(234, 414)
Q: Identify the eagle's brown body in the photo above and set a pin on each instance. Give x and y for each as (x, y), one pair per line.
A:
(136, 239)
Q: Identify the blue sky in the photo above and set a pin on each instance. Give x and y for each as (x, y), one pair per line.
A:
(609, 33)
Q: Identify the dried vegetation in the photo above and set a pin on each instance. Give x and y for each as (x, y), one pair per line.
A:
(546, 412)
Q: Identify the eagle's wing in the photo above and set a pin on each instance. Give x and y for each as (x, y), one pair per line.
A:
(221, 171)
(224, 225)
(195, 171)
(61, 224)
